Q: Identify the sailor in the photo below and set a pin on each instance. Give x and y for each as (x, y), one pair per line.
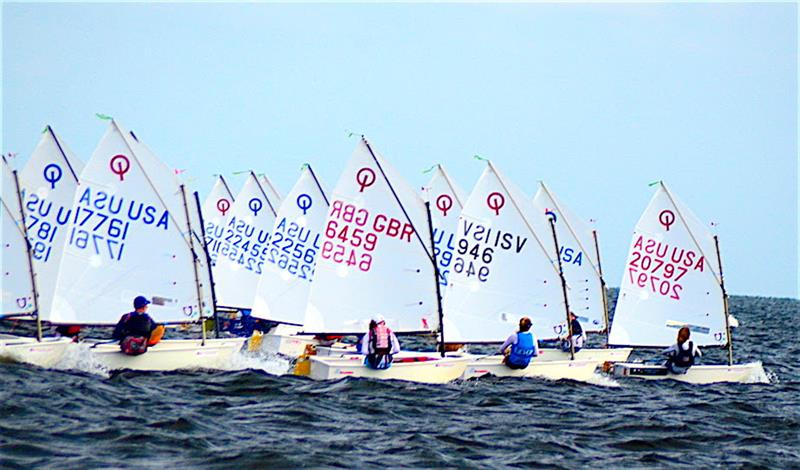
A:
(520, 347)
(380, 344)
(680, 356)
(577, 338)
(134, 329)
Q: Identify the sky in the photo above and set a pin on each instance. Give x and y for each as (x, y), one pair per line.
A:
(597, 100)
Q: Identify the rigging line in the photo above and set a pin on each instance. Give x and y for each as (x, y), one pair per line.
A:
(685, 224)
(319, 186)
(150, 182)
(227, 188)
(524, 219)
(571, 230)
(261, 188)
(397, 198)
(452, 186)
(63, 154)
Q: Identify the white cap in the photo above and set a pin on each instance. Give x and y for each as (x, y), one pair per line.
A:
(378, 318)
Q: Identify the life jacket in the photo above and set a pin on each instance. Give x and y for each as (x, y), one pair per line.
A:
(522, 352)
(684, 357)
(380, 338)
(133, 345)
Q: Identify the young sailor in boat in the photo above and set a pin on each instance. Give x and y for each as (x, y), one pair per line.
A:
(379, 344)
(520, 347)
(578, 338)
(135, 331)
(680, 356)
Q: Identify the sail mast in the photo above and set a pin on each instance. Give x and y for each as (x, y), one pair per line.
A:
(436, 278)
(208, 264)
(397, 198)
(564, 289)
(194, 265)
(602, 285)
(725, 304)
(30, 258)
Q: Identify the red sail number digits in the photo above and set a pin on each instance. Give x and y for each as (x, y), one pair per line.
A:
(656, 266)
(350, 236)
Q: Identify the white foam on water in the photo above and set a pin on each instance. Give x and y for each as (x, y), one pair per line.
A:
(603, 380)
(760, 376)
(79, 357)
(260, 360)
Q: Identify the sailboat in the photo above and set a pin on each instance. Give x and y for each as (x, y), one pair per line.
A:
(243, 253)
(216, 210)
(292, 253)
(673, 278)
(505, 267)
(132, 234)
(20, 295)
(376, 258)
(586, 290)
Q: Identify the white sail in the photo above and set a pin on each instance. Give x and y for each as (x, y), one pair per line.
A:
(293, 249)
(446, 201)
(578, 260)
(48, 181)
(17, 284)
(126, 238)
(375, 256)
(271, 191)
(504, 267)
(242, 255)
(671, 280)
(216, 210)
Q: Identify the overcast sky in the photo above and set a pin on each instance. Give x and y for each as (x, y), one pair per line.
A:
(597, 100)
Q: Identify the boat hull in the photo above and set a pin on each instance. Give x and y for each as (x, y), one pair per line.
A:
(171, 354)
(701, 374)
(579, 370)
(599, 356)
(45, 353)
(286, 344)
(432, 371)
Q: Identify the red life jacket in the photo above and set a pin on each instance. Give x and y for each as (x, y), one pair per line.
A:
(381, 336)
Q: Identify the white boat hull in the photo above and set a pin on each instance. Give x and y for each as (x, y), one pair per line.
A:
(579, 370)
(701, 374)
(598, 356)
(45, 353)
(435, 371)
(171, 354)
(287, 345)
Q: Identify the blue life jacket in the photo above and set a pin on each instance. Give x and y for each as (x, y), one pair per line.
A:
(523, 351)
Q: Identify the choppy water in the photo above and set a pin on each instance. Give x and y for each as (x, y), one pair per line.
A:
(250, 417)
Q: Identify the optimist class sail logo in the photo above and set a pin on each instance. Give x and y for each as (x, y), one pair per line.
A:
(304, 202)
(444, 203)
(666, 218)
(52, 174)
(365, 178)
(550, 215)
(255, 205)
(223, 205)
(119, 164)
(495, 201)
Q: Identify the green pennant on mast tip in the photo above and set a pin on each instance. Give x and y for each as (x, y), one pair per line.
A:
(304, 166)
(104, 117)
(654, 183)
(425, 172)
(478, 157)
(237, 173)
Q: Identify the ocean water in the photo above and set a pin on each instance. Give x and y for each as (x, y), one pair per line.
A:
(252, 416)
